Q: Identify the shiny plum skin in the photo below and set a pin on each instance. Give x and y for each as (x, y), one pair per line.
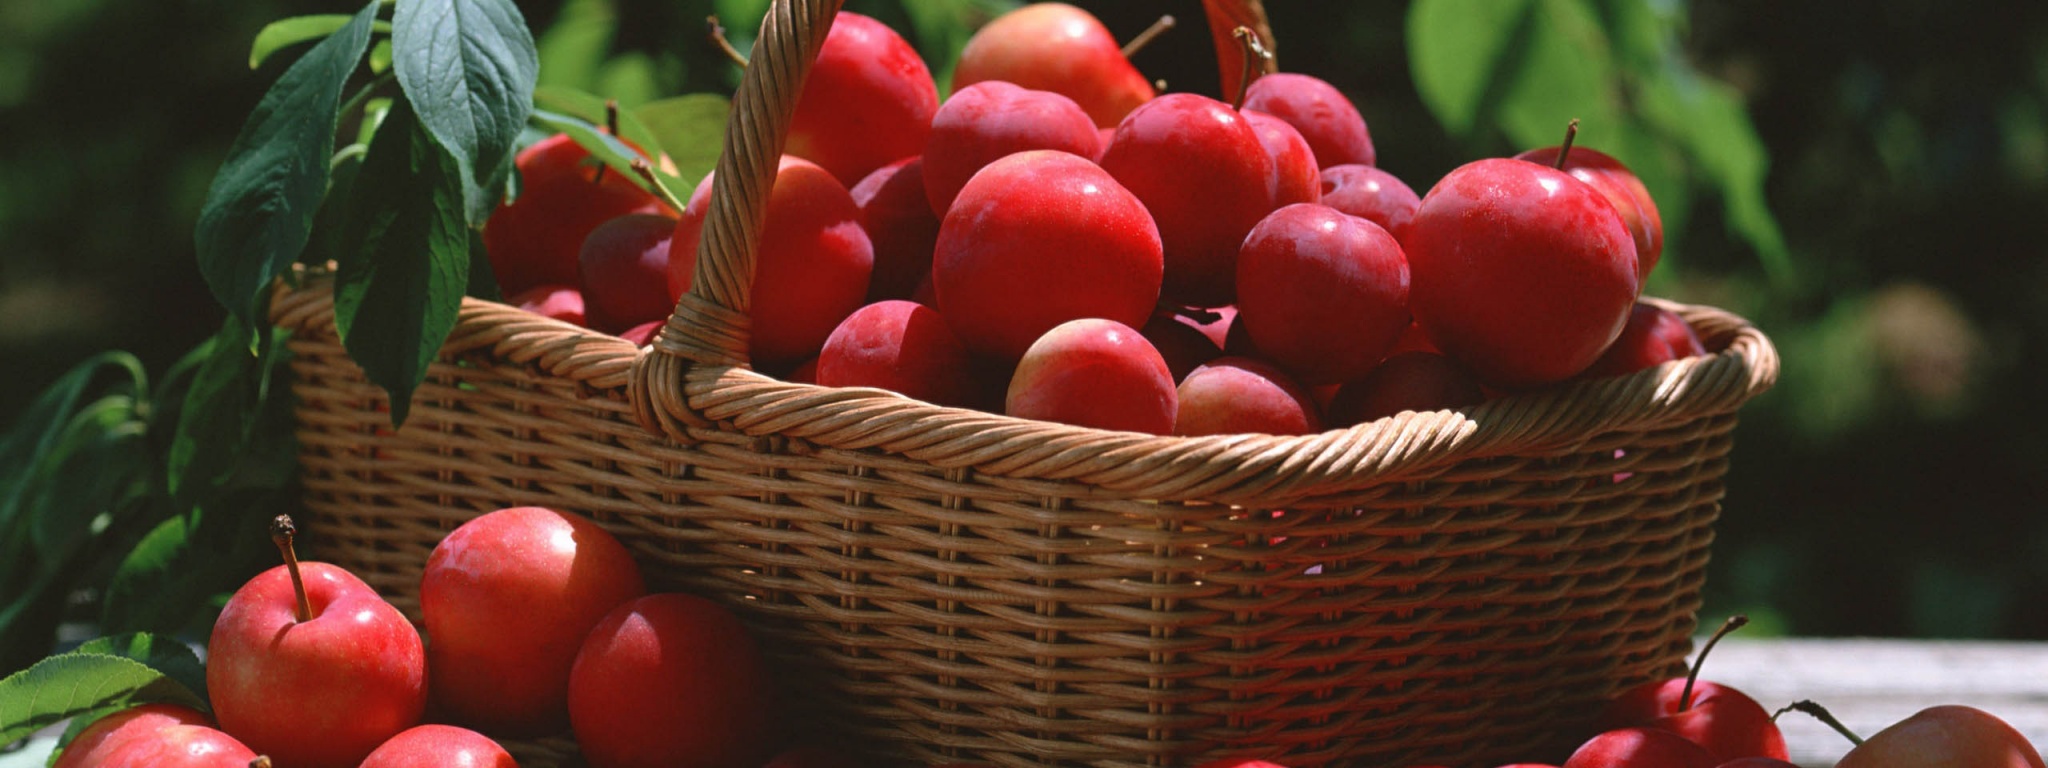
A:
(1653, 335)
(900, 224)
(900, 346)
(1621, 186)
(1201, 171)
(985, 122)
(1521, 272)
(534, 239)
(623, 269)
(1322, 293)
(1236, 395)
(868, 101)
(1094, 373)
(1371, 194)
(1060, 48)
(1323, 115)
(811, 267)
(1014, 259)
(1295, 178)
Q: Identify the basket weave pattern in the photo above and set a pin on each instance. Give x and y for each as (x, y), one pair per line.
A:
(936, 584)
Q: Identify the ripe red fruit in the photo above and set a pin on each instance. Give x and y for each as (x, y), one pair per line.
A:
(1094, 373)
(1295, 178)
(90, 748)
(1371, 194)
(670, 681)
(1726, 722)
(1640, 748)
(1060, 48)
(1328, 120)
(1758, 762)
(1522, 273)
(507, 598)
(901, 346)
(868, 101)
(180, 746)
(1947, 736)
(623, 269)
(811, 267)
(1321, 293)
(985, 122)
(560, 302)
(1235, 395)
(534, 239)
(1621, 187)
(1037, 239)
(1412, 381)
(900, 223)
(1653, 335)
(439, 746)
(1200, 170)
(314, 678)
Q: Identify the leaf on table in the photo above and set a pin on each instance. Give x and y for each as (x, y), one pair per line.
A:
(468, 67)
(404, 264)
(259, 208)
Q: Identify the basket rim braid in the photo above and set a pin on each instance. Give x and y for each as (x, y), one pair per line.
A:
(1455, 587)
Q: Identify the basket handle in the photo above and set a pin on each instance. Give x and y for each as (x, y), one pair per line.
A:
(710, 324)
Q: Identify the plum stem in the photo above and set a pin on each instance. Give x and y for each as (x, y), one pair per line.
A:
(1145, 38)
(1733, 623)
(261, 761)
(717, 33)
(611, 123)
(1822, 714)
(646, 171)
(1255, 57)
(281, 532)
(1571, 133)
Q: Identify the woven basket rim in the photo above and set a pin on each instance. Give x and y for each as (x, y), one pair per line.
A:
(1218, 468)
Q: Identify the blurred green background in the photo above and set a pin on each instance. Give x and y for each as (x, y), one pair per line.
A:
(1895, 483)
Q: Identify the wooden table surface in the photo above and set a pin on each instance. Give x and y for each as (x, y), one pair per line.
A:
(1867, 683)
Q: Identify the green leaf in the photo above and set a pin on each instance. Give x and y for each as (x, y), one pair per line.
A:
(691, 131)
(212, 422)
(285, 33)
(1564, 71)
(405, 262)
(603, 146)
(99, 465)
(175, 571)
(1710, 119)
(259, 209)
(483, 280)
(1460, 50)
(75, 683)
(163, 654)
(574, 47)
(590, 108)
(380, 57)
(45, 422)
(468, 67)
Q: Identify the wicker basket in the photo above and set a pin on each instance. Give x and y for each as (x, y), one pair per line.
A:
(935, 584)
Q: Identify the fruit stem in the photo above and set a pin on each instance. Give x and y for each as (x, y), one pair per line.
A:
(1255, 58)
(1822, 714)
(1145, 38)
(1733, 623)
(646, 171)
(724, 46)
(611, 123)
(261, 761)
(281, 532)
(1571, 133)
